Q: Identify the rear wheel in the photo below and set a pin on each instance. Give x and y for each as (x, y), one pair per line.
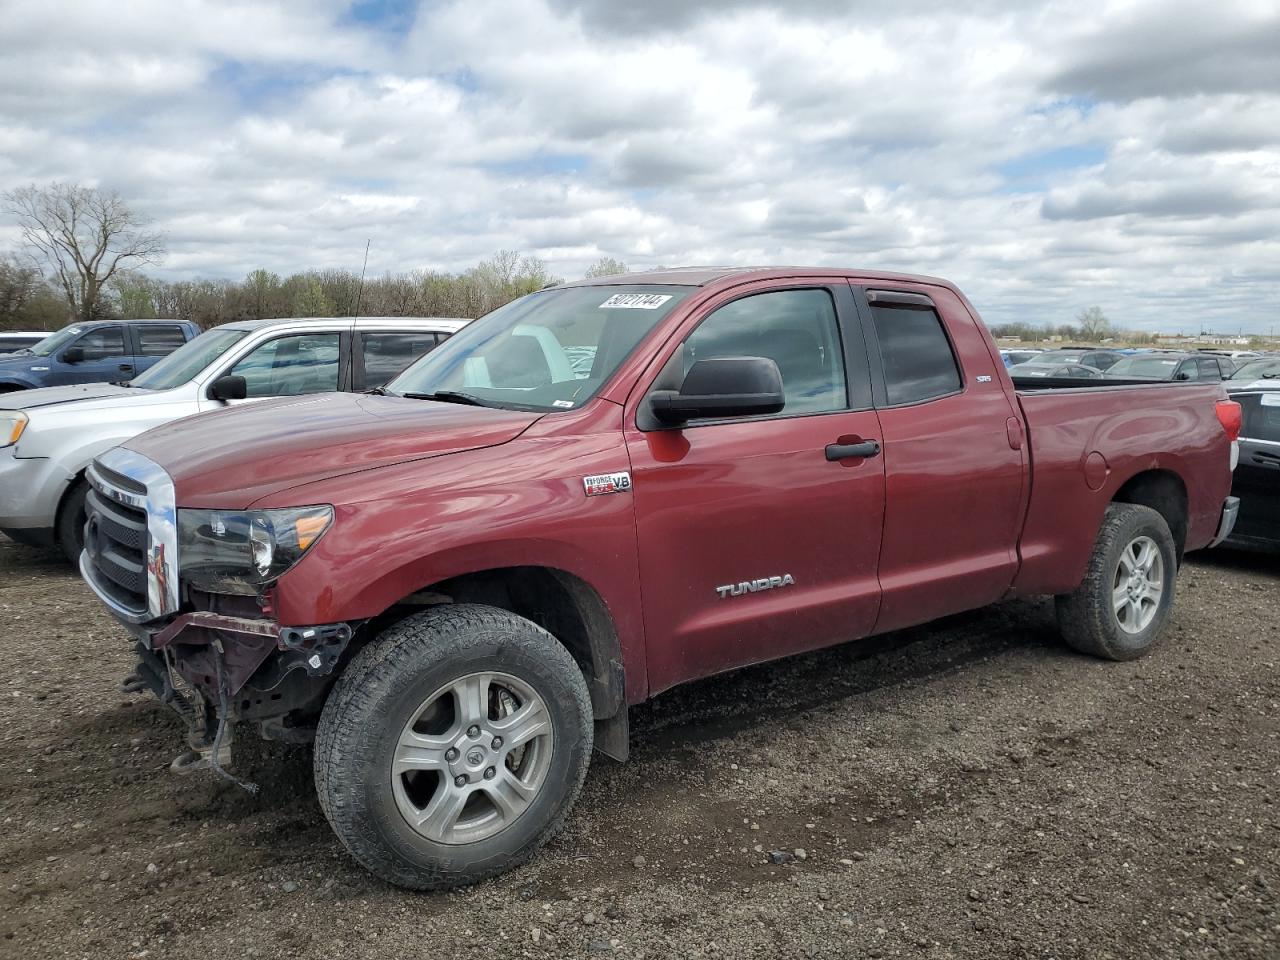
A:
(1122, 605)
(71, 521)
(453, 746)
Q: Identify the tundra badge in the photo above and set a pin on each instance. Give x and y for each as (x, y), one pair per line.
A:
(603, 483)
(755, 586)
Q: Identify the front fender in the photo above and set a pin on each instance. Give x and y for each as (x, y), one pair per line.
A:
(518, 504)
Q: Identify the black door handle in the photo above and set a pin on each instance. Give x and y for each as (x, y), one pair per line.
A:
(126, 367)
(849, 451)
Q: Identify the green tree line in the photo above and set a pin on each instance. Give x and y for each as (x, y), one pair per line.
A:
(29, 301)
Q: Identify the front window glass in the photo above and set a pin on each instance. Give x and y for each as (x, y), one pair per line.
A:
(291, 366)
(55, 341)
(102, 343)
(551, 350)
(796, 329)
(188, 360)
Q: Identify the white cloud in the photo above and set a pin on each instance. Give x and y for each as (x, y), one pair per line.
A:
(1044, 160)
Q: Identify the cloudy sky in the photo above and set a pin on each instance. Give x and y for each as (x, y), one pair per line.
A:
(1047, 157)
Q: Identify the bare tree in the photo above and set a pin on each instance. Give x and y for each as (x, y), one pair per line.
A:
(605, 267)
(86, 234)
(1094, 324)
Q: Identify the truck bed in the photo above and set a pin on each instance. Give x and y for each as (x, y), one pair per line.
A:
(1087, 438)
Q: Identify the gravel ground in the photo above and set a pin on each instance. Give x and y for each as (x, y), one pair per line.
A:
(970, 789)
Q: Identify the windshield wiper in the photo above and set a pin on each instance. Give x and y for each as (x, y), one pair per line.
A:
(376, 392)
(450, 396)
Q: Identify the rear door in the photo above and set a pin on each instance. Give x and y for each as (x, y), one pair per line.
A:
(151, 341)
(378, 356)
(955, 470)
(755, 539)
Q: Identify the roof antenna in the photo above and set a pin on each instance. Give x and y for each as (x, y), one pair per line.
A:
(360, 288)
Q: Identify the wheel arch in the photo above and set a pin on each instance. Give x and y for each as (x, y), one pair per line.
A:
(1165, 492)
(563, 604)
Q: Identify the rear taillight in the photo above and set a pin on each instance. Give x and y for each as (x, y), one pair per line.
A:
(1230, 417)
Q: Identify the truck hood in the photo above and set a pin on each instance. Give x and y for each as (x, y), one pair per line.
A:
(229, 459)
(44, 396)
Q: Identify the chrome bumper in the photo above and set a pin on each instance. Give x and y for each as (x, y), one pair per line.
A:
(1230, 510)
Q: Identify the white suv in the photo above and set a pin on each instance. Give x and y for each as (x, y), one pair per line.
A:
(50, 435)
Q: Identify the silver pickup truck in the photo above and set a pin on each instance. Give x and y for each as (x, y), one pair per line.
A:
(49, 436)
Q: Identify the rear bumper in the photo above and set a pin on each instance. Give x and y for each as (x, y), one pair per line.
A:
(1230, 510)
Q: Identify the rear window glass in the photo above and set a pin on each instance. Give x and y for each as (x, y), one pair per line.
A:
(155, 340)
(388, 354)
(917, 357)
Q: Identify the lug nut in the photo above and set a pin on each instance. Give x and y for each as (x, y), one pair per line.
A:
(497, 743)
(451, 754)
(459, 781)
(490, 773)
(473, 731)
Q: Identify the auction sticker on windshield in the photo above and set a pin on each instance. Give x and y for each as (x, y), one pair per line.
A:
(635, 301)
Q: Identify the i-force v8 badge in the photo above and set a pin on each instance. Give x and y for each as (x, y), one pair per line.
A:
(606, 483)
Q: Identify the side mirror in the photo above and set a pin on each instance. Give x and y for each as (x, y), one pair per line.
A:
(1182, 376)
(722, 387)
(72, 355)
(230, 387)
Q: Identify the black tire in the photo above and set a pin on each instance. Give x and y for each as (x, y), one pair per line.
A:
(1087, 617)
(71, 521)
(378, 695)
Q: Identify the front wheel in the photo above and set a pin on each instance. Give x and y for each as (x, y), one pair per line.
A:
(71, 521)
(453, 746)
(1122, 605)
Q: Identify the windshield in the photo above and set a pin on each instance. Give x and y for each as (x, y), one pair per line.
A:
(56, 341)
(551, 350)
(1060, 356)
(188, 360)
(1258, 370)
(1161, 367)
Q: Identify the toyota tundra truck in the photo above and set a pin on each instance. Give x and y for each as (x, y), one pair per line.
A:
(456, 585)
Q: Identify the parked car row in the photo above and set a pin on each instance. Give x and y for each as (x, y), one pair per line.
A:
(54, 433)
(11, 340)
(1143, 364)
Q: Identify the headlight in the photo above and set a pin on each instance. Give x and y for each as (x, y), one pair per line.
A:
(12, 423)
(241, 551)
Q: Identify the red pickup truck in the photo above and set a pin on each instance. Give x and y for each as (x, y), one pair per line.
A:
(456, 585)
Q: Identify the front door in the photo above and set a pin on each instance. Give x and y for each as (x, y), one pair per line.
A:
(755, 539)
(105, 356)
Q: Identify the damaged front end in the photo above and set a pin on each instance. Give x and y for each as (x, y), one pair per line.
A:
(216, 656)
(217, 670)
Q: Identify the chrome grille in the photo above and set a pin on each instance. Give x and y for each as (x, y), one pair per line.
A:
(130, 555)
(116, 542)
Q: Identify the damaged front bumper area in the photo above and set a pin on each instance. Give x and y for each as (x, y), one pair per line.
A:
(212, 666)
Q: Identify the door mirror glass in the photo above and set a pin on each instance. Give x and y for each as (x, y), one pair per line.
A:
(722, 387)
(72, 355)
(229, 387)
